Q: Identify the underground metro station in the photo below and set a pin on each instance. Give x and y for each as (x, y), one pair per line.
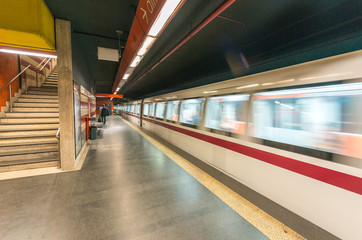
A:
(180, 119)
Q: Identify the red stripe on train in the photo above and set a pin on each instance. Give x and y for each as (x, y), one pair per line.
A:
(332, 177)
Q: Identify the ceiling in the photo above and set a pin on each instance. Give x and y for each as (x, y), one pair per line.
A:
(94, 23)
(247, 38)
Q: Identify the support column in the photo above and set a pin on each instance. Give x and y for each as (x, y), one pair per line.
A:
(65, 93)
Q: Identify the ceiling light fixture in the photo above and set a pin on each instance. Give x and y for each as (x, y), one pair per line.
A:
(27, 53)
(126, 76)
(136, 61)
(146, 45)
(249, 86)
(166, 12)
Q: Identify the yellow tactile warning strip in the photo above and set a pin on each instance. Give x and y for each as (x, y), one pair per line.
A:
(265, 223)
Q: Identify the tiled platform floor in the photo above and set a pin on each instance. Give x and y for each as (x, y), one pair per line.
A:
(127, 189)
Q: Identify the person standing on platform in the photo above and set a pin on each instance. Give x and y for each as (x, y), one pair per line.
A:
(104, 113)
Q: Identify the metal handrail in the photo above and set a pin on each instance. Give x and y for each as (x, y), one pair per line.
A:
(45, 64)
(12, 80)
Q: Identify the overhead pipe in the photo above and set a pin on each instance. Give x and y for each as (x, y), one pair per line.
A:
(225, 5)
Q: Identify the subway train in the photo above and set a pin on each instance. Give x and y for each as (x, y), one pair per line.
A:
(293, 135)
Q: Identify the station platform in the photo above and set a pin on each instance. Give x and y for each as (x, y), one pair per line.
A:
(129, 189)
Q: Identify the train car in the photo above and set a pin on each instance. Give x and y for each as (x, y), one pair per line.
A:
(293, 135)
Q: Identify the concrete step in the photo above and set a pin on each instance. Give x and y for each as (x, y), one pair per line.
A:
(29, 164)
(30, 115)
(32, 104)
(26, 149)
(51, 93)
(26, 127)
(50, 85)
(27, 141)
(38, 96)
(35, 100)
(27, 157)
(34, 110)
(26, 134)
(51, 81)
(45, 89)
(28, 120)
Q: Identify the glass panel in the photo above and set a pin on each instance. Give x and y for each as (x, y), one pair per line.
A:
(160, 110)
(145, 109)
(227, 113)
(191, 111)
(152, 109)
(172, 110)
(325, 118)
(138, 109)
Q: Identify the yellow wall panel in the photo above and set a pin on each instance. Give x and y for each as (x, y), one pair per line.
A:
(26, 24)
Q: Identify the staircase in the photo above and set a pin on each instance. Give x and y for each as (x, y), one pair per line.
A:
(28, 133)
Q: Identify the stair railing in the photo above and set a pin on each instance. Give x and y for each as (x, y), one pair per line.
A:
(42, 66)
(26, 84)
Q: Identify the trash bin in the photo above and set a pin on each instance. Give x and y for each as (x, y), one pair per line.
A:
(93, 133)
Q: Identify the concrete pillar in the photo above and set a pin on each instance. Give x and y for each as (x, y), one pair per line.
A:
(65, 93)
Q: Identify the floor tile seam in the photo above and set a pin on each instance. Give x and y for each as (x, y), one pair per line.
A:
(265, 223)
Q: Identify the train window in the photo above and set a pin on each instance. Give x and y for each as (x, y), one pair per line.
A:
(145, 109)
(160, 110)
(138, 109)
(323, 118)
(172, 110)
(227, 113)
(191, 111)
(152, 110)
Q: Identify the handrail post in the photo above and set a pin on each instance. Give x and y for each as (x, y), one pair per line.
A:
(26, 83)
(11, 104)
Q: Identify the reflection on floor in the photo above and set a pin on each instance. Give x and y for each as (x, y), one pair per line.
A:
(127, 189)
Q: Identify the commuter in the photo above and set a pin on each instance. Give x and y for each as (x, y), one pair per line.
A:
(104, 113)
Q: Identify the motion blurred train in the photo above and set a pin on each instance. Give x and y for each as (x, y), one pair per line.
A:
(293, 135)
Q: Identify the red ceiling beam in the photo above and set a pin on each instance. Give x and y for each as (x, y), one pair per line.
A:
(146, 14)
(225, 5)
(105, 95)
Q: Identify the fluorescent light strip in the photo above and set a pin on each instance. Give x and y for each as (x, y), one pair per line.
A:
(136, 61)
(167, 10)
(126, 76)
(27, 53)
(249, 86)
(146, 45)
